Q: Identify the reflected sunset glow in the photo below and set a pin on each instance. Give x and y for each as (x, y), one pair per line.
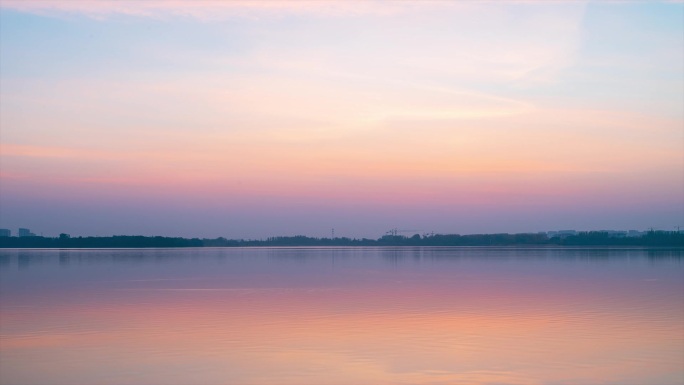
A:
(415, 316)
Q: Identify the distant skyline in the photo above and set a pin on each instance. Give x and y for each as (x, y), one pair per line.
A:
(254, 119)
(24, 232)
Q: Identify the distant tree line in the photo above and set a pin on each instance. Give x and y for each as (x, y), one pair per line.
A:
(117, 241)
(651, 238)
(589, 238)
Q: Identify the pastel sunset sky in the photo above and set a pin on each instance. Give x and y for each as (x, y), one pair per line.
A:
(248, 119)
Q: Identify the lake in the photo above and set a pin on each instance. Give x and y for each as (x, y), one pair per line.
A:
(426, 315)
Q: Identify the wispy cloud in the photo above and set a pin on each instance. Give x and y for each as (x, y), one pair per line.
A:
(216, 9)
(341, 101)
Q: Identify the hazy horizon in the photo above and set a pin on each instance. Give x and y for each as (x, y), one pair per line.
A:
(256, 119)
(334, 233)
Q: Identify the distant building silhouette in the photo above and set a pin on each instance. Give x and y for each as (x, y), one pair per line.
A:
(5, 233)
(25, 233)
(561, 233)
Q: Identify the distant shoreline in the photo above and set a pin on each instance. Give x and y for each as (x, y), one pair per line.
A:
(590, 238)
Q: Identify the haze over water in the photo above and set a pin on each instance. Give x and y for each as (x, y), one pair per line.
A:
(479, 315)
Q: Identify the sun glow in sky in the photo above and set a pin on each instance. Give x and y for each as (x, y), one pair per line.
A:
(252, 119)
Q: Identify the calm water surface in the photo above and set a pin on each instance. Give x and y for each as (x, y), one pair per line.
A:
(342, 316)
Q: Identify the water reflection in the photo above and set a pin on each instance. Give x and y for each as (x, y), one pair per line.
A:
(342, 316)
(23, 258)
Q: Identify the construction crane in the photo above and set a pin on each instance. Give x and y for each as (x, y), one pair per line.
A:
(394, 232)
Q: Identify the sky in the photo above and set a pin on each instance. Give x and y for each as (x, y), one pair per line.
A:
(254, 119)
